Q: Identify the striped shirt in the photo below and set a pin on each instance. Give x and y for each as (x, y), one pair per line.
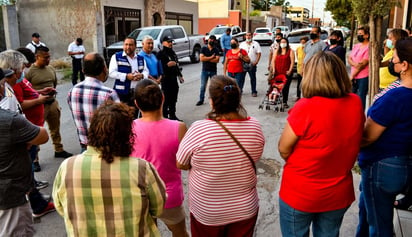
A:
(222, 181)
(83, 100)
(100, 199)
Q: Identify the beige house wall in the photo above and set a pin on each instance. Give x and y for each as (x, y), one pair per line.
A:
(213, 8)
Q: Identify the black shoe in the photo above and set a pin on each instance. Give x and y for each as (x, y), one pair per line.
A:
(285, 105)
(62, 154)
(199, 103)
(49, 208)
(46, 197)
(36, 166)
(42, 184)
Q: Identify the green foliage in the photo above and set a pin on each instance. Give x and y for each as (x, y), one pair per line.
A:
(7, 2)
(341, 11)
(255, 13)
(377, 8)
(264, 5)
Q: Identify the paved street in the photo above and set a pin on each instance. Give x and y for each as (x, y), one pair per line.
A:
(269, 167)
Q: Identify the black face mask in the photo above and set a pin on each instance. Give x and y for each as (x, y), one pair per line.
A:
(233, 46)
(211, 43)
(313, 36)
(333, 41)
(278, 40)
(391, 68)
(360, 38)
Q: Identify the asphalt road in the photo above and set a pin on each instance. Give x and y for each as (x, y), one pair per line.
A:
(269, 167)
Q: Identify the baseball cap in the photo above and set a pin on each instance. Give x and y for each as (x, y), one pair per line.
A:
(5, 73)
(35, 34)
(167, 38)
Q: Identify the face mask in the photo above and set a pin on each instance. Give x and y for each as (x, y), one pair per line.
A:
(21, 78)
(211, 43)
(389, 44)
(248, 40)
(233, 46)
(278, 40)
(333, 41)
(360, 38)
(313, 36)
(391, 68)
(283, 45)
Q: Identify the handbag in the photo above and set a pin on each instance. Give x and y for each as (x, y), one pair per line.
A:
(238, 143)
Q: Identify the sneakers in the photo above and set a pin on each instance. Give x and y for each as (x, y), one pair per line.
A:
(199, 103)
(285, 105)
(46, 197)
(42, 184)
(50, 208)
(62, 154)
(254, 94)
(36, 166)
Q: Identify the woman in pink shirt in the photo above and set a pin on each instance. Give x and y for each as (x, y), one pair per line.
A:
(359, 62)
(156, 140)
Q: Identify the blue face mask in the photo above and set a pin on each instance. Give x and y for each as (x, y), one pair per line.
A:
(21, 78)
(389, 44)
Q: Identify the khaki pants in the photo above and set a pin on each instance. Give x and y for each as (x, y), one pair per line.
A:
(52, 117)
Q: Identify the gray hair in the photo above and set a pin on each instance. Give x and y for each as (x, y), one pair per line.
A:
(12, 59)
(147, 37)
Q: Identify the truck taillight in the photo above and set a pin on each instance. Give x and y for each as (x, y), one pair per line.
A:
(269, 33)
(254, 34)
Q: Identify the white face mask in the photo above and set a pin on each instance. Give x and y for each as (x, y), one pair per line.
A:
(249, 40)
(283, 45)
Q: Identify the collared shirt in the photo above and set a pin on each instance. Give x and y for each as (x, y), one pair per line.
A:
(83, 100)
(32, 46)
(225, 41)
(252, 49)
(311, 48)
(100, 199)
(74, 48)
(115, 74)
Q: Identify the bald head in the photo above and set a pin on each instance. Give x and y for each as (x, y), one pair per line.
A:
(94, 66)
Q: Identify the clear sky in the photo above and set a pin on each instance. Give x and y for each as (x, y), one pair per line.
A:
(319, 5)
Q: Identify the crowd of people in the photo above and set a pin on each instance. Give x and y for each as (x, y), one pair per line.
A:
(133, 146)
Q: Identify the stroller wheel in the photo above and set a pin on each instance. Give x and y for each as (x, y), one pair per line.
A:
(276, 109)
(260, 106)
(267, 107)
(282, 109)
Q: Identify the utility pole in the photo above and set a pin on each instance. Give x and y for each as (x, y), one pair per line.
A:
(313, 7)
(247, 15)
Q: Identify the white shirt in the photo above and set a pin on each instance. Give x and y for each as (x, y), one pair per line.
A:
(115, 74)
(32, 47)
(9, 101)
(252, 49)
(74, 48)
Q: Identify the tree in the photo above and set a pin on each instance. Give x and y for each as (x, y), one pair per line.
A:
(264, 5)
(374, 10)
(341, 11)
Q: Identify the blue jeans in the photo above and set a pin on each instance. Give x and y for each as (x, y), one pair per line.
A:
(360, 87)
(294, 223)
(204, 77)
(252, 75)
(381, 182)
(240, 79)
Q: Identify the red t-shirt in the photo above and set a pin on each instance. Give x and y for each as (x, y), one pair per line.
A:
(24, 91)
(317, 176)
(234, 63)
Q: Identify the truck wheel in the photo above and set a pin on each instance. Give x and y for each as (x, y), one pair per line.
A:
(195, 57)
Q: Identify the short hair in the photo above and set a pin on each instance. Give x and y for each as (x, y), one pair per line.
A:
(305, 38)
(338, 34)
(399, 34)
(41, 49)
(93, 66)
(317, 29)
(225, 95)
(278, 28)
(110, 130)
(279, 34)
(80, 41)
(228, 30)
(131, 38)
(148, 95)
(404, 49)
(146, 37)
(325, 76)
(365, 30)
(213, 37)
(235, 39)
(12, 59)
(28, 54)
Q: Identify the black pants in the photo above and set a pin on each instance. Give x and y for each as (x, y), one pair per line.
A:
(169, 106)
(129, 100)
(77, 68)
(298, 90)
(285, 90)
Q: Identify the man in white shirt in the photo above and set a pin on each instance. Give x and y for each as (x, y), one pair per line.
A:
(254, 52)
(35, 42)
(76, 51)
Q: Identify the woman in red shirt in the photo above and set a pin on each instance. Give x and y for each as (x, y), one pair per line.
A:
(233, 64)
(282, 63)
(320, 143)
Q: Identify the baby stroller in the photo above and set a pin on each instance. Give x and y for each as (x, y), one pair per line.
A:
(274, 96)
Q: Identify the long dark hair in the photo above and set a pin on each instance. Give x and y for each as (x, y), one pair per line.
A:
(279, 50)
(225, 95)
(404, 49)
(110, 130)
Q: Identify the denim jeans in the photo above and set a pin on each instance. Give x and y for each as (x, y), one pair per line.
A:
(204, 77)
(381, 182)
(240, 79)
(252, 75)
(360, 87)
(294, 223)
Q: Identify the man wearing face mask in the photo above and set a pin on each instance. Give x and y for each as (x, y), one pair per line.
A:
(86, 96)
(254, 52)
(209, 56)
(314, 45)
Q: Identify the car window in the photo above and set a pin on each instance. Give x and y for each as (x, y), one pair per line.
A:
(218, 31)
(262, 30)
(294, 38)
(235, 30)
(154, 33)
(178, 33)
(167, 32)
(134, 33)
